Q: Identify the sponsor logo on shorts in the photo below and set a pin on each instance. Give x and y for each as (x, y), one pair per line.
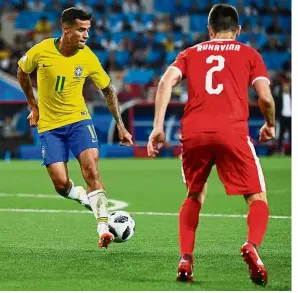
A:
(43, 151)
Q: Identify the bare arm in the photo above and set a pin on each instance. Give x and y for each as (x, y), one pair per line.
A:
(113, 105)
(25, 82)
(265, 101)
(112, 102)
(157, 137)
(170, 78)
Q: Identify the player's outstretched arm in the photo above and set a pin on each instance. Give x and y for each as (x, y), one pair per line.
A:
(267, 107)
(156, 140)
(25, 82)
(112, 102)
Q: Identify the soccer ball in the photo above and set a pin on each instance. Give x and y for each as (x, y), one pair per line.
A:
(121, 225)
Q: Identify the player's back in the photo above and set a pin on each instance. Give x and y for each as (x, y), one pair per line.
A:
(218, 74)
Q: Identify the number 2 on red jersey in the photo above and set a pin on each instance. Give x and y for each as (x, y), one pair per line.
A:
(219, 67)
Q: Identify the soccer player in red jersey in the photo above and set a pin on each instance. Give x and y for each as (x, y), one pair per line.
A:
(215, 131)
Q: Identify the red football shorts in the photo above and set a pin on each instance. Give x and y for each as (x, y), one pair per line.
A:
(233, 154)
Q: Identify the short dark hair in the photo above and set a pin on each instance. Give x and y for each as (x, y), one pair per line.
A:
(69, 15)
(223, 17)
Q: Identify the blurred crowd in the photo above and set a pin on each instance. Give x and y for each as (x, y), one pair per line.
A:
(152, 41)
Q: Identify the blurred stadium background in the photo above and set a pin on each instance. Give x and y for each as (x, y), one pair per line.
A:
(45, 238)
(135, 40)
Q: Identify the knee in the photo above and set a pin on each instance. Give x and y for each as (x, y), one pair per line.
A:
(200, 196)
(250, 198)
(62, 186)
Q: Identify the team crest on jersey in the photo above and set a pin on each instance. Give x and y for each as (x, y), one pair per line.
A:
(78, 71)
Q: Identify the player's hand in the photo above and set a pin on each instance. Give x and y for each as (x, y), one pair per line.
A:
(124, 136)
(156, 142)
(266, 133)
(33, 117)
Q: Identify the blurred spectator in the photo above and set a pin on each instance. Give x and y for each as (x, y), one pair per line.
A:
(94, 44)
(100, 6)
(91, 92)
(130, 6)
(179, 9)
(194, 9)
(7, 128)
(164, 24)
(68, 4)
(151, 88)
(112, 64)
(284, 112)
(258, 28)
(169, 43)
(274, 28)
(139, 42)
(55, 5)
(251, 9)
(182, 44)
(126, 25)
(5, 54)
(36, 5)
(116, 7)
(252, 43)
(21, 5)
(7, 6)
(246, 27)
(137, 25)
(83, 4)
(128, 92)
(126, 45)
(108, 44)
(274, 44)
(43, 29)
(138, 58)
(102, 24)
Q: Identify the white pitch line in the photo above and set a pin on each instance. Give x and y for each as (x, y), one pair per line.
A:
(133, 213)
(116, 204)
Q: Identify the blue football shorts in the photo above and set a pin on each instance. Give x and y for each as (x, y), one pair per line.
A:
(77, 137)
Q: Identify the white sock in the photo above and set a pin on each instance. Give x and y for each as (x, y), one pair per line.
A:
(78, 192)
(72, 193)
(99, 204)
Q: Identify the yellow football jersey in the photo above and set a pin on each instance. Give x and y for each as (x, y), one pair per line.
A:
(60, 82)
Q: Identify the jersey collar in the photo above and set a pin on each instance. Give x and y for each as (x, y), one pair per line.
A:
(56, 40)
(222, 40)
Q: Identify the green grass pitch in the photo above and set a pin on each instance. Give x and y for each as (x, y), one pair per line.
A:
(58, 250)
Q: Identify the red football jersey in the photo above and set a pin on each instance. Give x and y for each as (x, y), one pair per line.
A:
(218, 74)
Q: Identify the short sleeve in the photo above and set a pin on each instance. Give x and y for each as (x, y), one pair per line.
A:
(98, 74)
(30, 60)
(258, 69)
(180, 63)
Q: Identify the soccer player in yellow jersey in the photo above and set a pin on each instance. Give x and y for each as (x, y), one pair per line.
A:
(61, 115)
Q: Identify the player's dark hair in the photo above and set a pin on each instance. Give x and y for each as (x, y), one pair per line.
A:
(70, 15)
(223, 17)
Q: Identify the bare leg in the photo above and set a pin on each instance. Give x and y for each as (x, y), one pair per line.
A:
(97, 195)
(64, 186)
(59, 175)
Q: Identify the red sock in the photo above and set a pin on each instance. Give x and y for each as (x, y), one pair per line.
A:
(257, 221)
(188, 223)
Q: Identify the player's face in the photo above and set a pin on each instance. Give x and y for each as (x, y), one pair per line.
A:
(79, 33)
